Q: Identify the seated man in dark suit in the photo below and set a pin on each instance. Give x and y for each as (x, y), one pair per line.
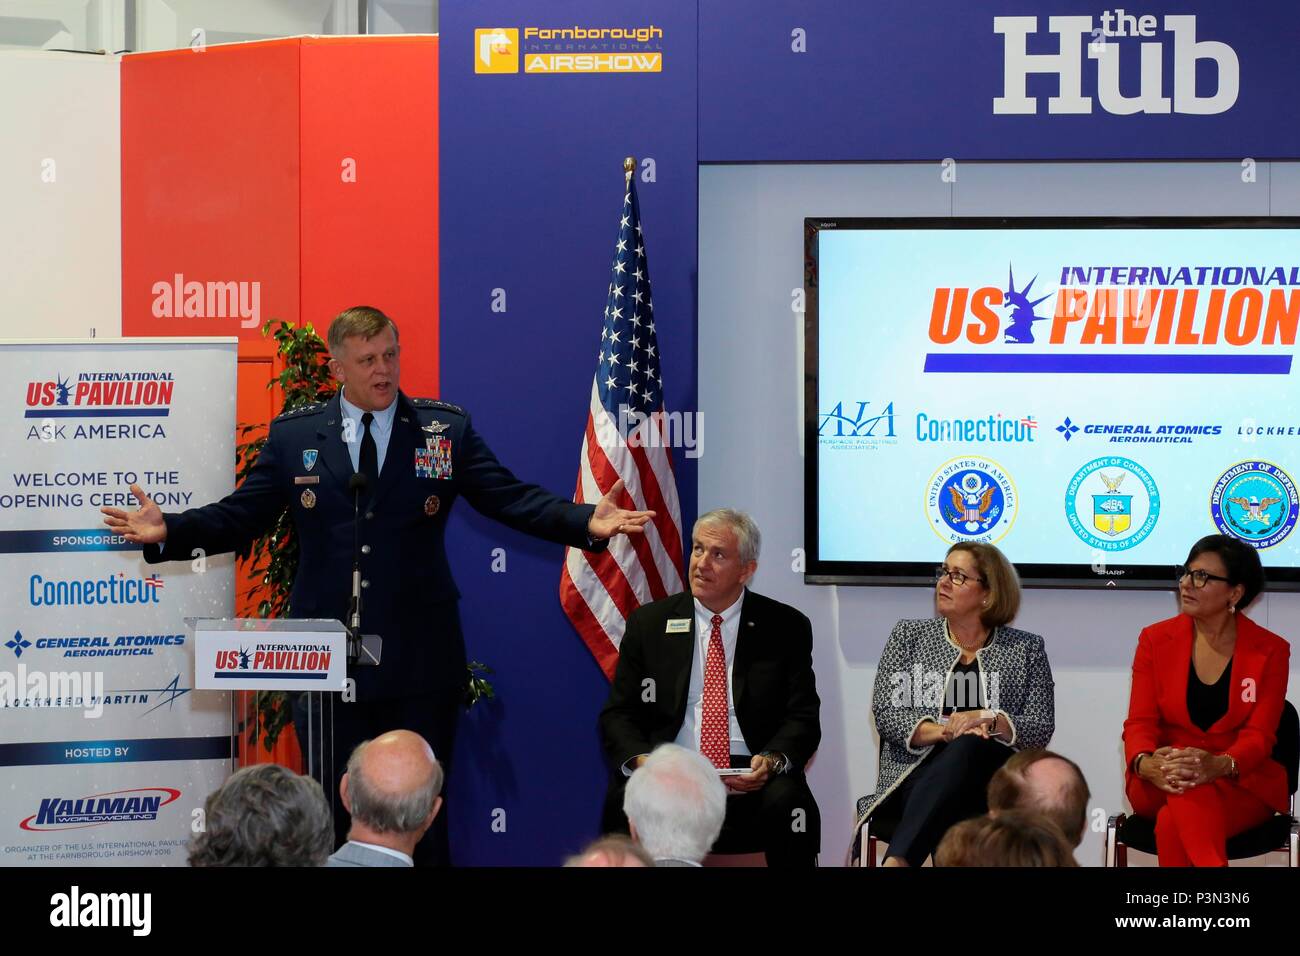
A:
(727, 672)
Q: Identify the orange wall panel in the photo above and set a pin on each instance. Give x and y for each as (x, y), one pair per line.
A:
(370, 188)
(210, 189)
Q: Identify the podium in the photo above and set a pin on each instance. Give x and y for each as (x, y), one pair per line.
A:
(305, 657)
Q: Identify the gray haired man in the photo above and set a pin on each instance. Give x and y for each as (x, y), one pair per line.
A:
(391, 789)
(675, 805)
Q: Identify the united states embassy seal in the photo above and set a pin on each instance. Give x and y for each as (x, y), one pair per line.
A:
(971, 499)
(1255, 501)
(1112, 503)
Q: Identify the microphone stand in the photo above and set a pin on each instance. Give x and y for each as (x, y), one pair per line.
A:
(356, 484)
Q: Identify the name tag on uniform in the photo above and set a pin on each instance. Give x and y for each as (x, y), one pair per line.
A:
(678, 625)
(306, 479)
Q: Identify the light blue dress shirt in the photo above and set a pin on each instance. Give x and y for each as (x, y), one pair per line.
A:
(381, 428)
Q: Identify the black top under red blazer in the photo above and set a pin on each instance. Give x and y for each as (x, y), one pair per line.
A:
(1157, 712)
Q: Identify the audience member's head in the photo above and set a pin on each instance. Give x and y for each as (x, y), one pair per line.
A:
(391, 789)
(1043, 782)
(615, 850)
(675, 804)
(1012, 838)
(265, 815)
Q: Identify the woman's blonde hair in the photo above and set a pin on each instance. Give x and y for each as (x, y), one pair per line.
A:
(1000, 578)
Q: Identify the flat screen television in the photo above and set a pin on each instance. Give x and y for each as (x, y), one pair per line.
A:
(1092, 395)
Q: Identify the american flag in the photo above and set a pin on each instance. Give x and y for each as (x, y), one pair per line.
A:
(626, 438)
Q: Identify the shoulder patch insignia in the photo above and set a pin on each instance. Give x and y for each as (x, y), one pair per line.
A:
(434, 403)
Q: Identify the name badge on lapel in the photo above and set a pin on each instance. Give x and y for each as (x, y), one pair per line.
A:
(678, 625)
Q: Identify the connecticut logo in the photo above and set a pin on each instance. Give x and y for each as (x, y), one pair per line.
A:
(119, 806)
(1256, 502)
(1112, 503)
(971, 499)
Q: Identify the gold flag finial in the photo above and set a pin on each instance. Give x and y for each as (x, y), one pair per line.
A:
(629, 166)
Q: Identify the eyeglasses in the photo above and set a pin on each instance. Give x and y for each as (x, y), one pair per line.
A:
(957, 577)
(1199, 577)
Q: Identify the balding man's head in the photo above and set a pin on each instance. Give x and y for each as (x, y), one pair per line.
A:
(392, 784)
(1044, 782)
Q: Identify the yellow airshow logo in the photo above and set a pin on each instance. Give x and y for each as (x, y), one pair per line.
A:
(570, 50)
(496, 50)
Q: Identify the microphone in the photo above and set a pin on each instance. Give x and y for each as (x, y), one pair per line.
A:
(356, 484)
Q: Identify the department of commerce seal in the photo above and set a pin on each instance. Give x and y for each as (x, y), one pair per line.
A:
(1112, 503)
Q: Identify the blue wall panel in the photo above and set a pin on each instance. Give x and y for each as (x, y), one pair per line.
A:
(898, 80)
(531, 192)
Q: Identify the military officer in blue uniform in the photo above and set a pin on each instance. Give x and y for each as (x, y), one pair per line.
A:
(418, 455)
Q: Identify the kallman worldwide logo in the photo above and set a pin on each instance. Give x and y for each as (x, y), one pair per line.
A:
(569, 49)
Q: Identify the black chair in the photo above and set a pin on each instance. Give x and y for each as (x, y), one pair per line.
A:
(1280, 834)
(870, 834)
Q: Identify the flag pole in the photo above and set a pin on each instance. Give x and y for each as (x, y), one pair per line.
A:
(629, 166)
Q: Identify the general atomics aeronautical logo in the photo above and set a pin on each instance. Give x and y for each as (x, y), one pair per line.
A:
(1256, 502)
(971, 499)
(1112, 503)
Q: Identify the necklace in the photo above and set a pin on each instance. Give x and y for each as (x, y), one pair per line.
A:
(953, 639)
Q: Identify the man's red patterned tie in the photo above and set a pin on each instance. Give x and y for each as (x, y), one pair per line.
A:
(715, 732)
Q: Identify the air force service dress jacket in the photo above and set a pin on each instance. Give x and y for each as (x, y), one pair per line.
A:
(409, 597)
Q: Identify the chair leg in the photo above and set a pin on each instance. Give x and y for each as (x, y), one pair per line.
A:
(869, 854)
(1293, 857)
(1114, 853)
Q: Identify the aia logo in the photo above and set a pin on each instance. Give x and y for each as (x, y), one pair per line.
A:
(859, 424)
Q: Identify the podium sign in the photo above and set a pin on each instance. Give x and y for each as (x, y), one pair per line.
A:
(259, 655)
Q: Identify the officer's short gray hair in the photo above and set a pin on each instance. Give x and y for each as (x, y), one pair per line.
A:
(740, 524)
(391, 812)
(677, 803)
(364, 321)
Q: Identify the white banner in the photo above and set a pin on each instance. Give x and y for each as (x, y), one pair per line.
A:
(106, 749)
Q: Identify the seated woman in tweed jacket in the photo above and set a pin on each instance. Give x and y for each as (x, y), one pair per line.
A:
(954, 696)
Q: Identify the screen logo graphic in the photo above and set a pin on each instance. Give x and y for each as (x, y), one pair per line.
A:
(971, 499)
(1112, 504)
(1255, 502)
(1021, 328)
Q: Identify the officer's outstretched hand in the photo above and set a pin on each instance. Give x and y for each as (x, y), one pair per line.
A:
(145, 526)
(609, 519)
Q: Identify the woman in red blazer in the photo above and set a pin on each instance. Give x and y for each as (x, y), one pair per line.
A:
(1208, 688)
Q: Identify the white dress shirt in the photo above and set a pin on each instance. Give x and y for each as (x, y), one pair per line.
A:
(689, 734)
